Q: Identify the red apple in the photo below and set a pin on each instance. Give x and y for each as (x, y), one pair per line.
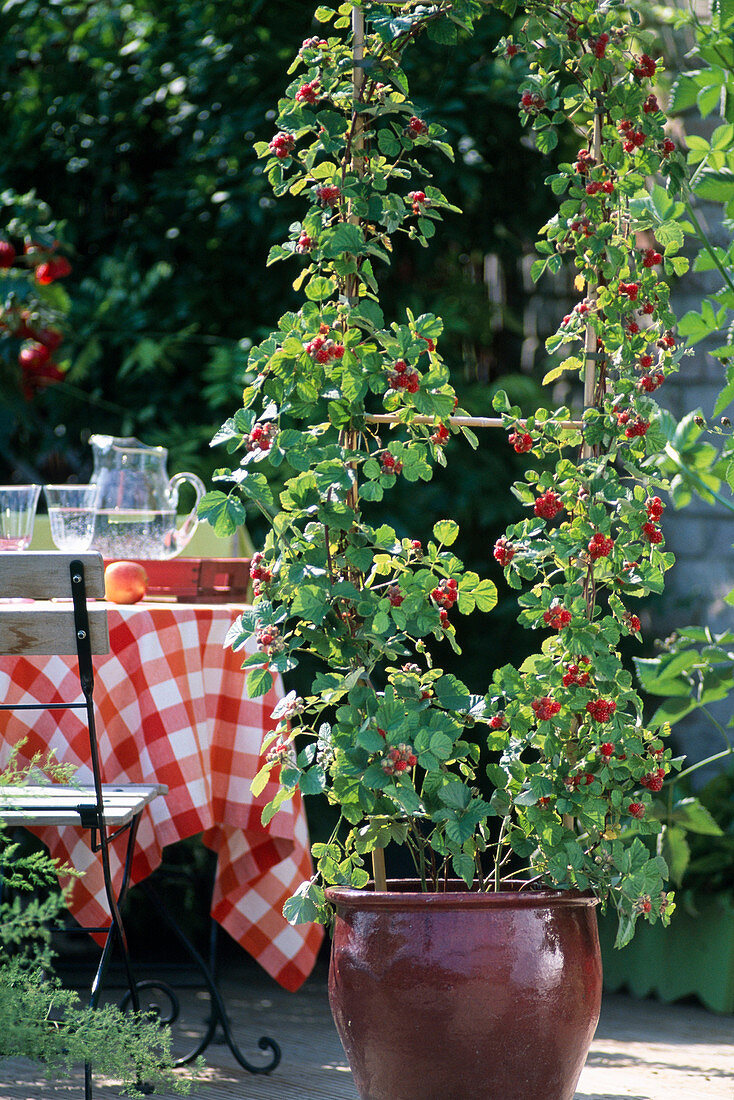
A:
(125, 582)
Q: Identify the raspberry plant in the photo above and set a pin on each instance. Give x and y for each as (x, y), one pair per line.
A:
(32, 301)
(390, 738)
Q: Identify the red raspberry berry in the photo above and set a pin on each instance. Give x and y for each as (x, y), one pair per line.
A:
(307, 93)
(520, 441)
(440, 436)
(652, 533)
(638, 427)
(636, 809)
(417, 127)
(7, 254)
(650, 105)
(548, 504)
(34, 355)
(630, 289)
(545, 708)
(498, 722)
(282, 144)
(395, 596)
(607, 749)
(601, 710)
(305, 243)
(646, 361)
(328, 195)
(418, 200)
(651, 258)
(557, 617)
(667, 147)
(654, 507)
(51, 270)
(600, 546)
(503, 551)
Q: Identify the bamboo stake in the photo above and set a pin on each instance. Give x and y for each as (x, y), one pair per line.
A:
(378, 854)
(467, 421)
(590, 375)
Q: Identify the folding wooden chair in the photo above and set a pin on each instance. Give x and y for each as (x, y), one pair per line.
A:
(68, 626)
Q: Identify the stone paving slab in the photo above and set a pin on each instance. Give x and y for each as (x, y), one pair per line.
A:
(643, 1050)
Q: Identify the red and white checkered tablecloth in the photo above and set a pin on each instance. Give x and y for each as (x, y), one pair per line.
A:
(171, 708)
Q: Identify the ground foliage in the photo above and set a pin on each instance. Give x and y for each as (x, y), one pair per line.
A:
(41, 1020)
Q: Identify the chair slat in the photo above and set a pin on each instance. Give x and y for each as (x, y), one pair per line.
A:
(42, 629)
(53, 804)
(44, 574)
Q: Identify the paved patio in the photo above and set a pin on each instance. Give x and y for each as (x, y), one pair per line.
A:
(643, 1050)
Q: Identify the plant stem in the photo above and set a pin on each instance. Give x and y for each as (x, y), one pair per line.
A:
(674, 456)
(378, 869)
(700, 233)
(497, 859)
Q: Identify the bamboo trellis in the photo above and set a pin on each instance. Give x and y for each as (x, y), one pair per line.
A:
(590, 340)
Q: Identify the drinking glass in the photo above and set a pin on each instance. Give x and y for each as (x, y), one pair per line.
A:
(17, 513)
(71, 515)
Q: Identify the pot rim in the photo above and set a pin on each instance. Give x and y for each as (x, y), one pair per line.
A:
(402, 897)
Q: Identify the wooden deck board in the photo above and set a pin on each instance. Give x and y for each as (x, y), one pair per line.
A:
(642, 1051)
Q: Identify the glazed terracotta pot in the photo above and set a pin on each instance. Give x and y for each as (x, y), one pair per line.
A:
(464, 995)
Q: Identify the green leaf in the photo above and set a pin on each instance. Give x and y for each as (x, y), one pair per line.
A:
(692, 815)
(441, 745)
(305, 905)
(451, 693)
(464, 866)
(676, 852)
(223, 512)
(344, 237)
(716, 185)
(446, 531)
(485, 595)
(259, 682)
(546, 139)
(320, 288)
(455, 794)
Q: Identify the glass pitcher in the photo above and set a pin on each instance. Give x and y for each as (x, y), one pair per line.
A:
(135, 506)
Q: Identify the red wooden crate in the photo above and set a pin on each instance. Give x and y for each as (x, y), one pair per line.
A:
(198, 580)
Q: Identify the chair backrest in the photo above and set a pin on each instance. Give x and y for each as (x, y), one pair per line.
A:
(45, 624)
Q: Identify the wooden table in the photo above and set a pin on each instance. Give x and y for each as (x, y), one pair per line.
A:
(172, 709)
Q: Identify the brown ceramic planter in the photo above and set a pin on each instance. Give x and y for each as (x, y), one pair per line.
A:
(464, 996)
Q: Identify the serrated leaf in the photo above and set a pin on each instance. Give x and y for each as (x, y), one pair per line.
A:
(259, 682)
(572, 363)
(223, 512)
(446, 531)
(451, 693)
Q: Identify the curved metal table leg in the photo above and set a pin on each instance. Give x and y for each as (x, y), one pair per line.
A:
(218, 1014)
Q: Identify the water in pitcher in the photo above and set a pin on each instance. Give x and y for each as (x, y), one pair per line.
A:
(134, 533)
